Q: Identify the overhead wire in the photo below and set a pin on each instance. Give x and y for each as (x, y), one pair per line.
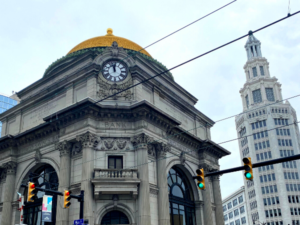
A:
(174, 155)
(131, 55)
(212, 51)
(183, 132)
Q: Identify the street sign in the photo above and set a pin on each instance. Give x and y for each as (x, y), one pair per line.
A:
(78, 222)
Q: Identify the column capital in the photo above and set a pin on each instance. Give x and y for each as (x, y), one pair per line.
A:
(11, 167)
(207, 168)
(163, 148)
(88, 139)
(141, 140)
(64, 148)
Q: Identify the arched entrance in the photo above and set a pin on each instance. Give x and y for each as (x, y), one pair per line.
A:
(114, 217)
(181, 199)
(44, 177)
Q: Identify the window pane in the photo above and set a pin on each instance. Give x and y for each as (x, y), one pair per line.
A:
(119, 163)
(262, 70)
(270, 94)
(257, 96)
(176, 191)
(111, 163)
(254, 72)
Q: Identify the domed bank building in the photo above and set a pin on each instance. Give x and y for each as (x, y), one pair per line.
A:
(133, 153)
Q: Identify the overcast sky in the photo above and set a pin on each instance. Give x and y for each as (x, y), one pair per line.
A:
(33, 34)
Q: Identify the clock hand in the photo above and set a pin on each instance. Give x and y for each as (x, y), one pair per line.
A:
(114, 66)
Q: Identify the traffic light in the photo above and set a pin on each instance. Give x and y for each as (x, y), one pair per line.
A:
(67, 199)
(31, 192)
(200, 179)
(248, 168)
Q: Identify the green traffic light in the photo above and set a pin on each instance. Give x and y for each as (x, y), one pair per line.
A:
(200, 185)
(248, 175)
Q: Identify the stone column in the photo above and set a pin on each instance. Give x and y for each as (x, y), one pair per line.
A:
(140, 144)
(64, 148)
(207, 209)
(162, 183)
(7, 216)
(218, 200)
(89, 142)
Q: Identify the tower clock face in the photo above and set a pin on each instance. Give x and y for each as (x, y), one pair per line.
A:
(115, 71)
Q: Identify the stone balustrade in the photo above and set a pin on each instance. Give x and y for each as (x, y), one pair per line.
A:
(115, 173)
(115, 181)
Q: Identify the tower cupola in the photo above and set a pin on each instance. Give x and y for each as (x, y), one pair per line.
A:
(253, 47)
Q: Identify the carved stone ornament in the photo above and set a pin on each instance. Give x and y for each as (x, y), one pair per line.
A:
(76, 149)
(10, 167)
(207, 168)
(151, 150)
(88, 140)
(2, 175)
(182, 158)
(64, 148)
(109, 144)
(141, 139)
(114, 49)
(38, 156)
(107, 89)
(163, 148)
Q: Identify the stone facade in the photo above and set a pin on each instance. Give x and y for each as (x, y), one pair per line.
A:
(152, 127)
(268, 129)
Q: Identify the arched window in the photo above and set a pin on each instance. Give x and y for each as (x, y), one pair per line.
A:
(181, 199)
(43, 177)
(114, 217)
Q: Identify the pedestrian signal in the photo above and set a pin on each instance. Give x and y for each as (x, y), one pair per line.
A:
(67, 199)
(248, 168)
(200, 179)
(31, 192)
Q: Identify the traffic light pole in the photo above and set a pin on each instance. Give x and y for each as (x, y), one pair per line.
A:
(45, 190)
(254, 165)
(80, 197)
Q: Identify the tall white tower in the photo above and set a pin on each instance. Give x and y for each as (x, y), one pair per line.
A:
(274, 195)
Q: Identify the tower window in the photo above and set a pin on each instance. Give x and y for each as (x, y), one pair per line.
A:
(257, 96)
(254, 70)
(270, 94)
(247, 100)
(262, 72)
(249, 74)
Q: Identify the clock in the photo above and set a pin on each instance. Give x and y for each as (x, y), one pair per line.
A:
(115, 71)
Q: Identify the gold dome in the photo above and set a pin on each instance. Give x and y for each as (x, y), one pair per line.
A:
(106, 41)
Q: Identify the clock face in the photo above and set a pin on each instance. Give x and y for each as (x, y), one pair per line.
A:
(115, 71)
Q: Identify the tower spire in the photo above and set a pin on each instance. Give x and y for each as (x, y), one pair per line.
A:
(252, 47)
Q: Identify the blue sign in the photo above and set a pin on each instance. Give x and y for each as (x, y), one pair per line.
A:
(78, 222)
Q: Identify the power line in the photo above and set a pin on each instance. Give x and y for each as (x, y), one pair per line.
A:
(199, 57)
(235, 139)
(168, 137)
(163, 37)
(192, 59)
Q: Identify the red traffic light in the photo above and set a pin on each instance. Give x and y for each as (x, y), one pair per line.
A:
(32, 186)
(67, 193)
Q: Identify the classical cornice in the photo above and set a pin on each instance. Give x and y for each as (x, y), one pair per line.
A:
(259, 80)
(29, 136)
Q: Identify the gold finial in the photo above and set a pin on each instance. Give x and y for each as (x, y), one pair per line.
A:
(109, 32)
